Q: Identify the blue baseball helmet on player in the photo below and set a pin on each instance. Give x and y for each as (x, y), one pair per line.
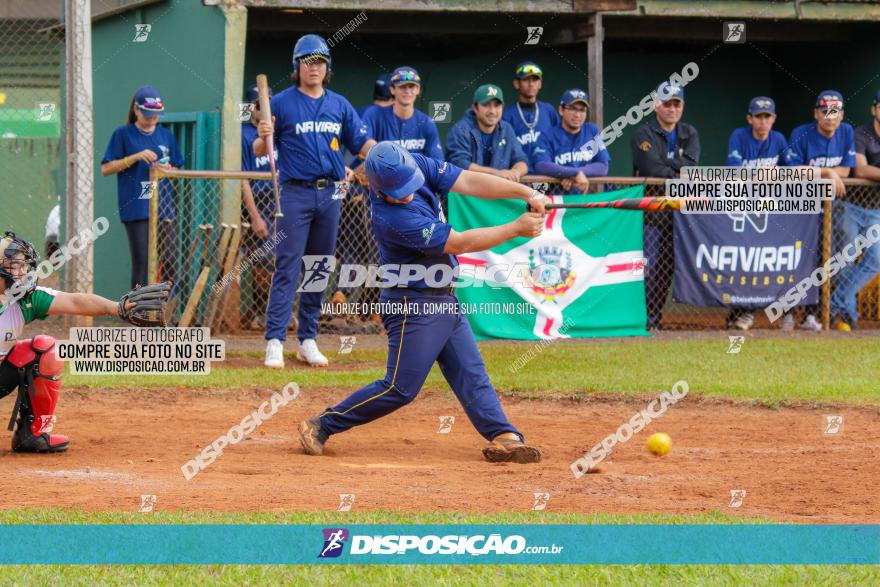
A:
(311, 46)
(392, 170)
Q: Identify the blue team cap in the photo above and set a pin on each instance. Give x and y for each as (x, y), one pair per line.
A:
(405, 75)
(669, 91)
(382, 87)
(762, 105)
(252, 94)
(569, 97)
(829, 100)
(876, 98)
(149, 101)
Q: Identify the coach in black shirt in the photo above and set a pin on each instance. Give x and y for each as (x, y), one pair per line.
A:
(660, 148)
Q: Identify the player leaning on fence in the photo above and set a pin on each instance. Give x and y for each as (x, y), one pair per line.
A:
(660, 148)
(311, 126)
(855, 217)
(827, 142)
(573, 150)
(483, 142)
(133, 148)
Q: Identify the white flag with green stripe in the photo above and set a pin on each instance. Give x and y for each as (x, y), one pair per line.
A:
(583, 277)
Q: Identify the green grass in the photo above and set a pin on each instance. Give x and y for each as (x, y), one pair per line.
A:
(198, 575)
(768, 371)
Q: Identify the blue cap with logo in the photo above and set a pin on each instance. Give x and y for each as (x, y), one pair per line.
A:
(669, 91)
(253, 94)
(573, 95)
(149, 101)
(829, 100)
(405, 75)
(762, 105)
(876, 99)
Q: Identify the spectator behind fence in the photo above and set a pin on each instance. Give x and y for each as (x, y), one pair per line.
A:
(530, 117)
(134, 147)
(829, 143)
(852, 219)
(572, 151)
(483, 142)
(258, 201)
(660, 148)
(755, 145)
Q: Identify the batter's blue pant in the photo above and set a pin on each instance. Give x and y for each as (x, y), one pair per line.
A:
(419, 335)
(310, 224)
(850, 221)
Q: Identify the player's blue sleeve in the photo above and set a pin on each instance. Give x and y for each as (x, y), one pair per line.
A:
(460, 147)
(439, 175)
(734, 151)
(433, 146)
(602, 155)
(781, 146)
(413, 231)
(115, 148)
(176, 156)
(247, 153)
(543, 149)
(354, 131)
(849, 145)
(797, 145)
(517, 153)
(554, 116)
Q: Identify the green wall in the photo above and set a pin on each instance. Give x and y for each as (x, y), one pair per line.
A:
(183, 59)
(730, 75)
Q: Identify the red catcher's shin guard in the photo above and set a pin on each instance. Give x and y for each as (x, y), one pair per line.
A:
(42, 386)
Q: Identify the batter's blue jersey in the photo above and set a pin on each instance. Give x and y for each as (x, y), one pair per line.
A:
(559, 146)
(418, 134)
(744, 150)
(528, 137)
(416, 232)
(807, 146)
(310, 134)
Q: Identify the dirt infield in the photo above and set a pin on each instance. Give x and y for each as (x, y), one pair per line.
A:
(126, 444)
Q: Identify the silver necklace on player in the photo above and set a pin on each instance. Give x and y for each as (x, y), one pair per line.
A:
(534, 123)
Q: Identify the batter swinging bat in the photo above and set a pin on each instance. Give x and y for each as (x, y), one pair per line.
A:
(266, 115)
(656, 204)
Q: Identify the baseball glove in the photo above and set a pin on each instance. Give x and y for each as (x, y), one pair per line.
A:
(149, 305)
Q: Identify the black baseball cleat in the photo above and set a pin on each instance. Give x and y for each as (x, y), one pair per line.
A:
(312, 437)
(508, 448)
(24, 441)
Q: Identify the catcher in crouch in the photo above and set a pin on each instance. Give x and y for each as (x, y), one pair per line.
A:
(30, 365)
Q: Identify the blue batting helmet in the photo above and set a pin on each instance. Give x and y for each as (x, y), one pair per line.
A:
(393, 171)
(311, 46)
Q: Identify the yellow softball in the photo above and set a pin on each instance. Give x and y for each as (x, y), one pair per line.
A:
(659, 443)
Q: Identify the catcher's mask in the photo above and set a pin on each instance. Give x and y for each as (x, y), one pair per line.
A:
(15, 251)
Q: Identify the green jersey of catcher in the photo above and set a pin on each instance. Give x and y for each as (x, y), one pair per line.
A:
(30, 365)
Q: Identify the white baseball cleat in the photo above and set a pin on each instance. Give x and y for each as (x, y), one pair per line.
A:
(274, 354)
(308, 352)
(810, 323)
(788, 322)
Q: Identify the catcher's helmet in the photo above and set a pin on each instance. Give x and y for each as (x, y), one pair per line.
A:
(13, 248)
(311, 46)
(392, 170)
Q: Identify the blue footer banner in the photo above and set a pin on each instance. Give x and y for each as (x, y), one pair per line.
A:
(439, 544)
(743, 260)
